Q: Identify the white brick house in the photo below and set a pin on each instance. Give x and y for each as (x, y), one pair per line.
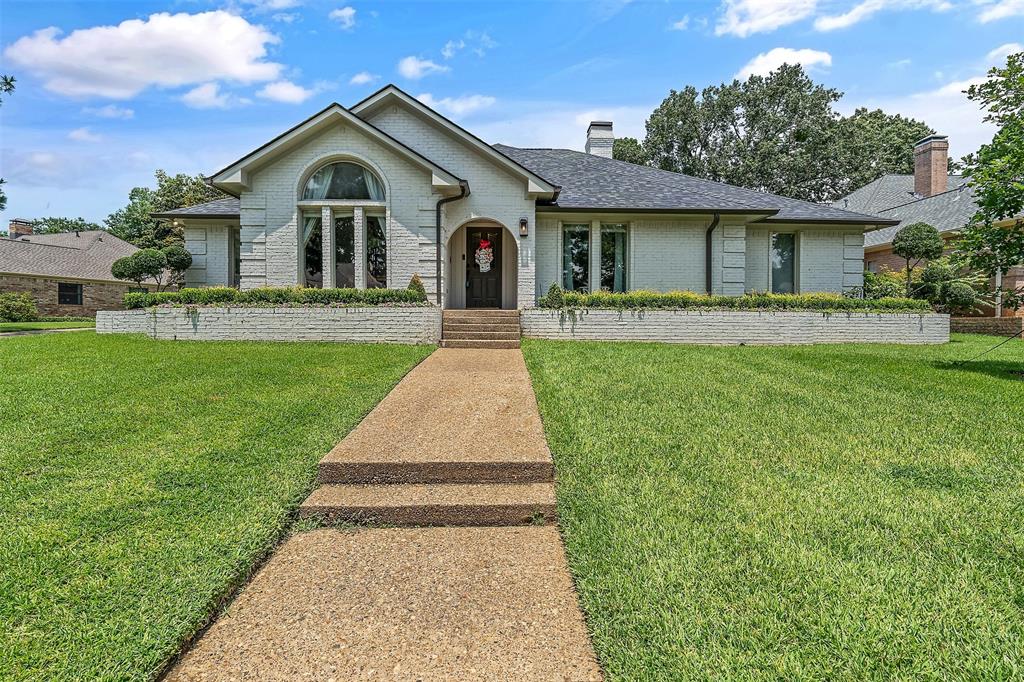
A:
(371, 195)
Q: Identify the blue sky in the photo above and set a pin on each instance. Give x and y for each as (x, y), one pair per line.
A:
(110, 91)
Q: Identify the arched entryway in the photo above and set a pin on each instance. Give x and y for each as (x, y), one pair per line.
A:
(482, 266)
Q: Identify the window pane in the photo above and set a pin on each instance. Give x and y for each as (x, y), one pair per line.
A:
(69, 294)
(576, 257)
(613, 258)
(376, 254)
(344, 253)
(314, 255)
(343, 181)
(783, 260)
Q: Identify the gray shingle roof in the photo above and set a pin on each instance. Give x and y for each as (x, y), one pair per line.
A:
(886, 192)
(595, 182)
(947, 212)
(82, 255)
(228, 207)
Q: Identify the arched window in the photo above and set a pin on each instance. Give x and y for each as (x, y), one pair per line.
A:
(343, 180)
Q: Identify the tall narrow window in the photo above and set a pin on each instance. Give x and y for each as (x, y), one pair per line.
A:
(576, 257)
(613, 257)
(783, 263)
(344, 252)
(376, 254)
(312, 237)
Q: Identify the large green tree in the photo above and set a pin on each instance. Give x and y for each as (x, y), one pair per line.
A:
(133, 222)
(6, 88)
(778, 133)
(994, 240)
(54, 224)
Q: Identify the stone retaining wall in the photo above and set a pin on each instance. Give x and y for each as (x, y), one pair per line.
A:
(384, 324)
(734, 327)
(996, 326)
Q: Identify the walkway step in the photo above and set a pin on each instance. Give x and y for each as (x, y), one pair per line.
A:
(481, 326)
(474, 314)
(482, 335)
(434, 505)
(468, 343)
(335, 470)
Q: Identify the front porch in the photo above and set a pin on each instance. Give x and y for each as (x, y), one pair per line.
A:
(482, 267)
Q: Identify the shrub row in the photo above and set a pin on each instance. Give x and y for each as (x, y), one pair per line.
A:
(683, 300)
(275, 296)
(17, 308)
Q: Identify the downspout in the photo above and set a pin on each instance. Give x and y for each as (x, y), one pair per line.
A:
(707, 252)
(463, 193)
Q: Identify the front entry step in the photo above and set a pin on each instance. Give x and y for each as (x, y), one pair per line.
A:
(480, 329)
(478, 343)
(434, 505)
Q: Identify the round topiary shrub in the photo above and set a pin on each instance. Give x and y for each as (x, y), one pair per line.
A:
(959, 296)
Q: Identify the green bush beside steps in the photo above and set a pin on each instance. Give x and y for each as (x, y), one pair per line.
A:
(273, 296)
(559, 299)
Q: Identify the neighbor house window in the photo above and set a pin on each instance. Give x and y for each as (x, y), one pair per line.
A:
(576, 257)
(344, 252)
(613, 258)
(343, 180)
(783, 263)
(69, 294)
(376, 254)
(313, 258)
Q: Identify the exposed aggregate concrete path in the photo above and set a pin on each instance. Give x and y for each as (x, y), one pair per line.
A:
(440, 603)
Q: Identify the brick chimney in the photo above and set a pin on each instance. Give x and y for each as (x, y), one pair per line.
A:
(18, 227)
(930, 165)
(600, 139)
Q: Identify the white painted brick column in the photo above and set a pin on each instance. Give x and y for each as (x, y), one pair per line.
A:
(327, 246)
(595, 255)
(734, 259)
(853, 260)
(359, 252)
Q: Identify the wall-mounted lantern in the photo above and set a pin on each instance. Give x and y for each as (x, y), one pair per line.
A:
(523, 227)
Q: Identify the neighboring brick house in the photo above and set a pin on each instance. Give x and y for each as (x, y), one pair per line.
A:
(67, 274)
(931, 195)
(370, 195)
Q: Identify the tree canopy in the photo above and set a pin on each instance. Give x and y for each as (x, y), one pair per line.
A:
(777, 133)
(6, 88)
(133, 223)
(55, 224)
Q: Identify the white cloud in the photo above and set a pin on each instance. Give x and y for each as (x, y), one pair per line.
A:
(362, 78)
(477, 42)
(110, 111)
(345, 16)
(285, 17)
(867, 8)
(416, 68)
(83, 135)
(766, 62)
(451, 48)
(285, 91)
(164, 50)
(272, 5)
(998, 56)
(206, 96)
(1003, 9)
(457, 106)
(681, 25)
(746, 17)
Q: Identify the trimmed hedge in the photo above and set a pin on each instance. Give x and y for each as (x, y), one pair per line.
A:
(18, 308)
(685, 300)
(275, 296)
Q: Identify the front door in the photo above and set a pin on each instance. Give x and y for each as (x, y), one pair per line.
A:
(483, 267)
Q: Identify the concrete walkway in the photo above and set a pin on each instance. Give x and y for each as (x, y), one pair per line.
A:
(33, 332)
(458, 442)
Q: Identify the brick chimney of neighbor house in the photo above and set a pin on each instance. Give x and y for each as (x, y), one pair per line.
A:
(19, 227)
(931, 157)
(600, 139)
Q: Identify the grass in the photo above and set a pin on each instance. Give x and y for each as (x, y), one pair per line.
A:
(831, 512)
(36, 326)
(140, 481)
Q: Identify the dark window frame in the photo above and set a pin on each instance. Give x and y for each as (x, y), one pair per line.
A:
(76, 295)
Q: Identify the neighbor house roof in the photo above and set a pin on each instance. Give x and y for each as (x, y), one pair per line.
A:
(947, 212)
(886, 192)
(70, 255)
(597, 183)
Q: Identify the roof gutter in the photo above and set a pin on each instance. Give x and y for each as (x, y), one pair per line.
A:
(707, 251)
(463, 193)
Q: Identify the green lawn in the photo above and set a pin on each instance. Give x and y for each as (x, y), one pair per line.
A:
(35, 326)
(827, 513)
(140, 480)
